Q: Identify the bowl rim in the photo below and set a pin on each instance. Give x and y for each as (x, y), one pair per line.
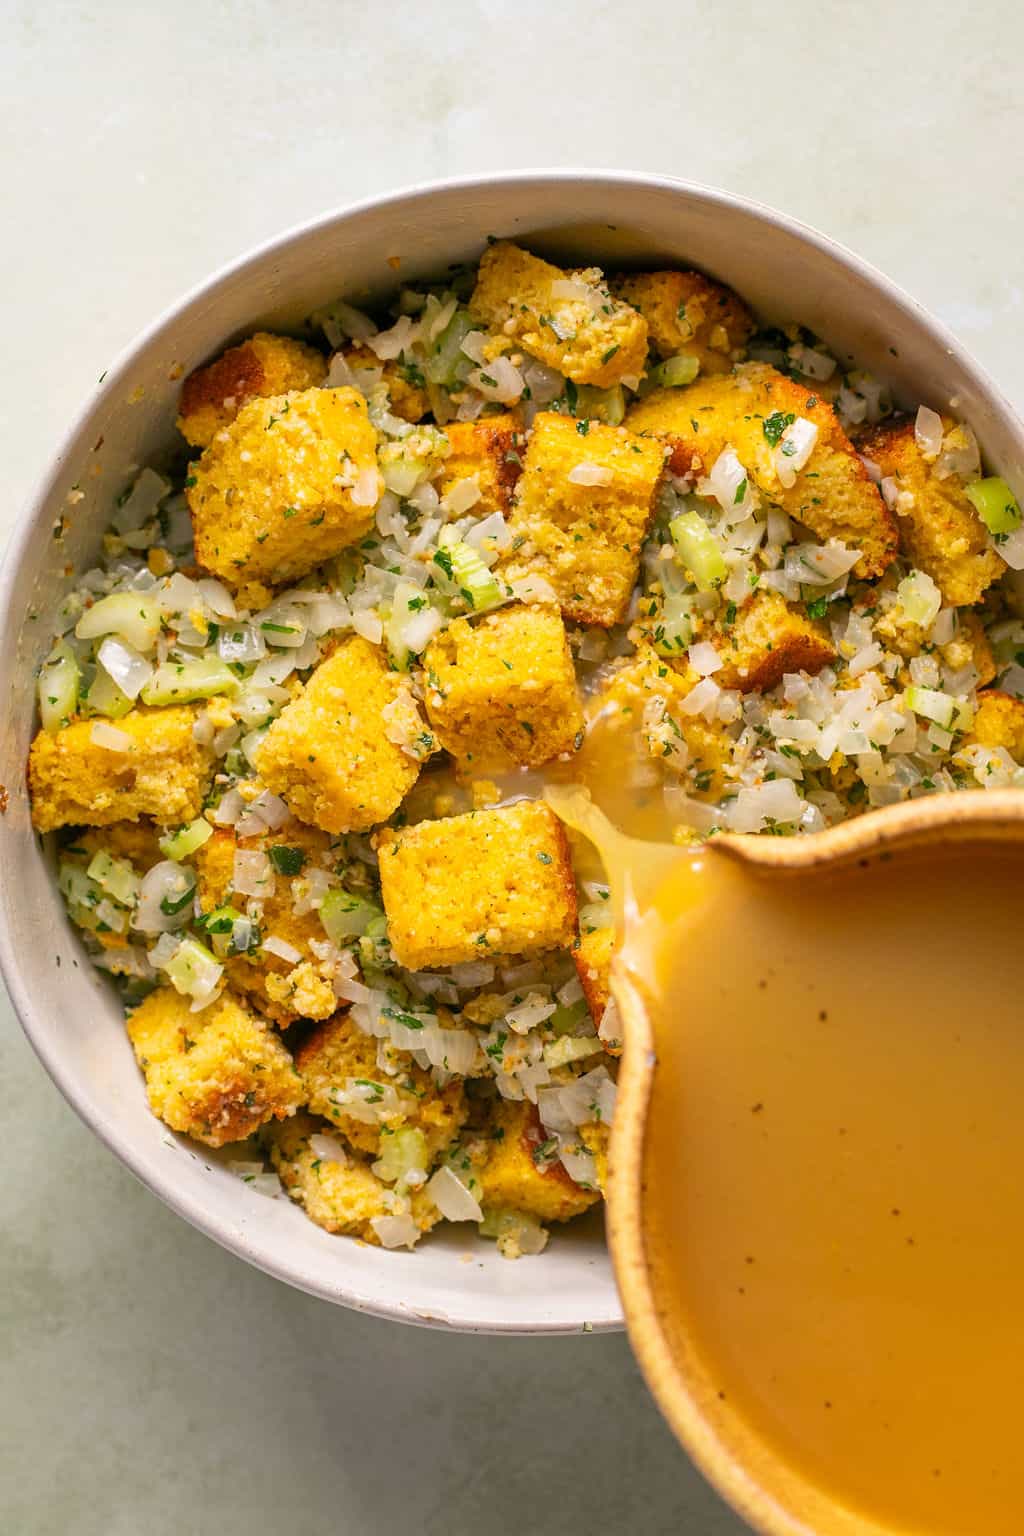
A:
(33, 509)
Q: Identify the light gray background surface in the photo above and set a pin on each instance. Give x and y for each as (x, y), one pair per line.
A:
(150, 1383)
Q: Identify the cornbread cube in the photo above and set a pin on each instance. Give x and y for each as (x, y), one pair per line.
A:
(212, 396)
(489, 883)
(290, 482)
(344, 1197)
(593, 956)
(338, 1053)
(503, 690)
(833, 495)
(282, 991)
(688, 315)
(327, 754)
(163, 772)
(999, 722)
(641, 701)
(488, 450)
(940, 532)
(404, 384)
(587, 335)
(216, 1075)
(768, 638)
(584, 538)
(518, 1176)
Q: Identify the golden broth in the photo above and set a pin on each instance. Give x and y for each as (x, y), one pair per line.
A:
(835, 1170)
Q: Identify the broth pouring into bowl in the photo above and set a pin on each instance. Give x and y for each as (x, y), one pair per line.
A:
(815, 1189)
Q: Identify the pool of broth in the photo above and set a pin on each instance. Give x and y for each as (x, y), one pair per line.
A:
(835, 1170)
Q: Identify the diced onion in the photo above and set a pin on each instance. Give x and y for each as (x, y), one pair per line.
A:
(587, 473)
(928, 432)
(252, 874)
(452, 1198)
(282, 949)
(109, 737)
(396, 1231)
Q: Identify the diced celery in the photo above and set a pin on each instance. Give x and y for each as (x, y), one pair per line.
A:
(193, 970)
(673, 629)
(132, 615)
(566, 1019)
(478, 585)
(675, 371)
(413, 621)
(931, 705)
(401, 1153)
(607, 405)
(104, 697)
(59, 679)
(345, 916)
(117, 878)
(177, 682)
(446, 354)
(81, 894)
(919, 598)
(596, 914)
(179, 845)
(558, 1053)
(995, 504)
(698, 550)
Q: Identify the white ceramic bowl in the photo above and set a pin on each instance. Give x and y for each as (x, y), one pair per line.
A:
(69, 1013)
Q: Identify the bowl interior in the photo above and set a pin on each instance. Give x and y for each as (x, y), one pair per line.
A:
(70, 1013)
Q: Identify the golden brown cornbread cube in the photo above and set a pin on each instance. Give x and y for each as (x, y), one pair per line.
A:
(341, 1197)
(327, 754)
(216, 1075)
(212, 396)
(583, 538)
(489, 449)
(641, 700)
(338, 1053)
(163, 772)
(503, 690)
(582, 331)
(768, 638)
(999, 722)
(489, 883)
(283, 992)
(833, 495)
(688, 315)
(593, 957)
(519, 1176)
(940, 532)
(406, 393)
(290, 482)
